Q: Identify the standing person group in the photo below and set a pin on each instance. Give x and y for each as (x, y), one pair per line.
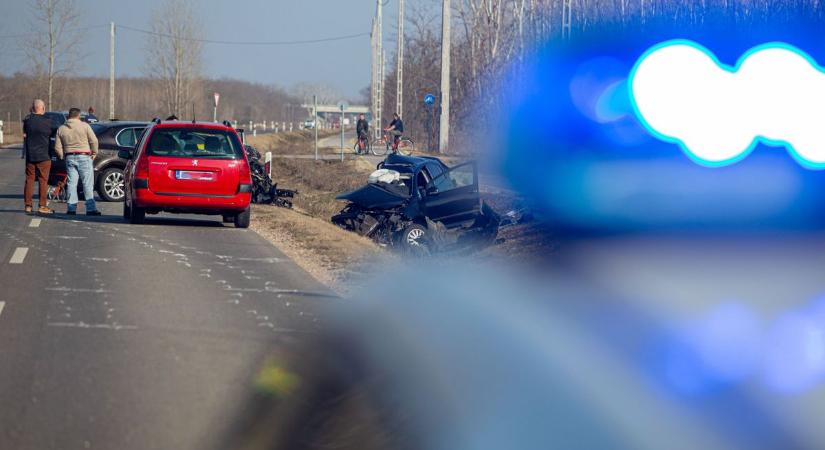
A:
(77, 143)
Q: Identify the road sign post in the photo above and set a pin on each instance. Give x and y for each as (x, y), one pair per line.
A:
(215, 110)
(429, 103)
(343, 107)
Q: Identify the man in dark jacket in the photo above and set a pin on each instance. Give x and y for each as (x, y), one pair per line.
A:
(395, 130)
(37, 130)
(362, 131)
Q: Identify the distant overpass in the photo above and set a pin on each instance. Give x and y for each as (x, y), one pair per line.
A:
(331, 109)
(332, 113)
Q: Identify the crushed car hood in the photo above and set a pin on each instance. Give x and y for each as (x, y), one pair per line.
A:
(375, 196)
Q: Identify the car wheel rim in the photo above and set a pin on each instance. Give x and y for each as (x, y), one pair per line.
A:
(113, 185)
(414, 237)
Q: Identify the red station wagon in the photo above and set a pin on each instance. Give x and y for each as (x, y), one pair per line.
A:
(188, 167)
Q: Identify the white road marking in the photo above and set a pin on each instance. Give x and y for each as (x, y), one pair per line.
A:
(2, 305)
(19, 255)
(68, 289)
(104, 326)
(35, 223)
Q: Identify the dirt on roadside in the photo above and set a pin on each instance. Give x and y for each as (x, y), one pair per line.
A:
(333, 256)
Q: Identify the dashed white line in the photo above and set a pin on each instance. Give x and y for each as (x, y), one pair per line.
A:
(19, 255)
(35, 223)
(2, 305)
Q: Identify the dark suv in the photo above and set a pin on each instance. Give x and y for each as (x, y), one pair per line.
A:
(112, 137)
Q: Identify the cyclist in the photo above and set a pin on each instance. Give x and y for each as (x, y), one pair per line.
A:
(396, 129)
(362, 130)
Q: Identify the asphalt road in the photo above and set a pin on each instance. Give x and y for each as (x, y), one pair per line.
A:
(119, 336)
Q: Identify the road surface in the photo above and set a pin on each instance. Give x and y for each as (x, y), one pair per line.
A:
(118, 336)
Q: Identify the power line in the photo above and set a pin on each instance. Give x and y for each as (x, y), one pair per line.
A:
(71, 30)
(212, 41)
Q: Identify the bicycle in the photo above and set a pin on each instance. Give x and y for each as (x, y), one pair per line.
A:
(362, 146)
(383, 145)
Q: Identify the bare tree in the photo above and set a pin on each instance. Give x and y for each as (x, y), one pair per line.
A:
(174, 55)
(327, 95)
(53, 51)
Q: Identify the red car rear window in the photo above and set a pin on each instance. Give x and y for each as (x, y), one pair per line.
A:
(194, 143)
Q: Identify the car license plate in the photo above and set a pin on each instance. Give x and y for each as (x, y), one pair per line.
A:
(193, 175)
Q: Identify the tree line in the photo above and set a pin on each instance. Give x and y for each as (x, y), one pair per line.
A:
(145, 98)
(173, 81)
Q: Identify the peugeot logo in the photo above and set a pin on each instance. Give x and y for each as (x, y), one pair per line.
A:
(195, 163)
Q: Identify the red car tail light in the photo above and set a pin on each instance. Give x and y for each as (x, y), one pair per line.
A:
(142, 173)
(245, 173)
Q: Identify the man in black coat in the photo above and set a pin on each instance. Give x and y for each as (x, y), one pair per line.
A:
(362, 132)
(37, 131)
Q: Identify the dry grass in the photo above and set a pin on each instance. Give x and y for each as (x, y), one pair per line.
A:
(333, 256)
(294, 143)
(319, 182)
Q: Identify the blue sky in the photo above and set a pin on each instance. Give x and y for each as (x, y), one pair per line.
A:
(344, 65)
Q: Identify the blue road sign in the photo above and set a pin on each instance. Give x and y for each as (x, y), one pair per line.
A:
(429, 99)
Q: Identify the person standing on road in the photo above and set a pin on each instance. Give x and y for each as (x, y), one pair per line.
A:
(77, 144)
(37, 131)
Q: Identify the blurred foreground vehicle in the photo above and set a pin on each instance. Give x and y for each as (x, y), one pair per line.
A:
(420, 205)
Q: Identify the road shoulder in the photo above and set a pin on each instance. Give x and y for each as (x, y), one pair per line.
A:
(334, 257)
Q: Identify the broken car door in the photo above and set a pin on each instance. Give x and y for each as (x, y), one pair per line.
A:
(452, 197)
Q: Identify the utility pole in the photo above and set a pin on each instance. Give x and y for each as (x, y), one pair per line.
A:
(111, 70)
(379, 54)
(379, 58)
(444, 137)
(566, 19)
(373, 76)
(399, 92)
(382, 77)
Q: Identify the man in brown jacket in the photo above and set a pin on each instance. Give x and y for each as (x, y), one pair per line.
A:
(77, 144)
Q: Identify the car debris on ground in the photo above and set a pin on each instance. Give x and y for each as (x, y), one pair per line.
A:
(422, 206)
(263, 189)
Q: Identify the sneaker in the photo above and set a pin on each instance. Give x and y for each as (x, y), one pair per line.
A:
(28, 210)
(92, 213)
(44, 210)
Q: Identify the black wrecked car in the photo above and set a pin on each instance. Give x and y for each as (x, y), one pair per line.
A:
(420, 205)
